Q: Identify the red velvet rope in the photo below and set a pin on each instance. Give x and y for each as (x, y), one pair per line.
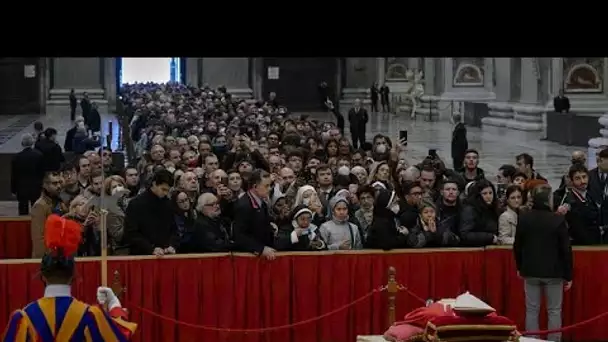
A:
(566, 328)
(342, 308)
(260, 330)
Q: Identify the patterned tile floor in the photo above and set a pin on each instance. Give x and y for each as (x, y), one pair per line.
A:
(497, 146)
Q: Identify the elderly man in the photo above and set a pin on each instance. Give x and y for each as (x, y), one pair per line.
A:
(26, 174)
(211, 231)
(357, 117)
(188, 183)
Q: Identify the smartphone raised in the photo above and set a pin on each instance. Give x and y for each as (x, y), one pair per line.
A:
(403, 136)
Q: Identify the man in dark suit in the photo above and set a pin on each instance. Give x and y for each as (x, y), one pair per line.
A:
(357, 117)
(26, 175)
(384, 92)
(373, 92)
(252, 229)
(73, 104)
(543, 256)
(150, 227)
(561, 104)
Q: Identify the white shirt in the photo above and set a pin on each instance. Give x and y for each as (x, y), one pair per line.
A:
(51, 291)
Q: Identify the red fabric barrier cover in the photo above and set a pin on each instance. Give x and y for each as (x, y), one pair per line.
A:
(15, 239)
(247, 292)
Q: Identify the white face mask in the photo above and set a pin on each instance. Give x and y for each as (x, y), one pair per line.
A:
(395, 208)
(306, 201)
(381, 148)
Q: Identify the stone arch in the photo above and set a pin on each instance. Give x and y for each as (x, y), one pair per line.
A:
(396, 71)
(461, 78)
(583, 77)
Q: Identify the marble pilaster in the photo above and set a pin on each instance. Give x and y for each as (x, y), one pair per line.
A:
(192, 76)
(77, 73)
(257, 77)
(381, 67)
(529, 81)
(429, 75)
(503, 79)
(488, 80)
(110, 81)
(230, 72)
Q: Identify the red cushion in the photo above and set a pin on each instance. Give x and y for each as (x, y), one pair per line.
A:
(455, 328)
(399, 332)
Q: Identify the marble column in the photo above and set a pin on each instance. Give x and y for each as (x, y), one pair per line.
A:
(503, 79)
(257, 77)
(78, 73)
(556, 75)
(488, 79)
(529, 82)
(110, 81)
(448, 73)
(381, 67)
(429, 75)
(192, 76)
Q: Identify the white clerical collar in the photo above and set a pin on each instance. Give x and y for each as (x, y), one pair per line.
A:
(58, 291)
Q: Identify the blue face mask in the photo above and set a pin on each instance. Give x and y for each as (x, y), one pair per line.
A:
(306, 231)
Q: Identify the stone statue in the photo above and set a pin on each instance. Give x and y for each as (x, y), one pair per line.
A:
(415, 92)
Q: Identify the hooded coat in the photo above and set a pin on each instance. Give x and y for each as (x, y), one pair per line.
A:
(334, 232)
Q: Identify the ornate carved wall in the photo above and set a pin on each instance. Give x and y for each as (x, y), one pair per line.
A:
(468, 72)
(583, 75)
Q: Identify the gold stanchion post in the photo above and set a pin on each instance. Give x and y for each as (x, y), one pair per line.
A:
(392, 288)
(117, 285)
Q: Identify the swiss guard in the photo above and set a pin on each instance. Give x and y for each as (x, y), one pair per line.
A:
(58, 316)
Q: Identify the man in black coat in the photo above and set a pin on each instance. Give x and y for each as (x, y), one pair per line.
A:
(149, 224)
(459, 142)
(384, 98)
(26, 175)
(51, 151)
(561, 104)
(543, 256)
(374, 92)
(253, 230)
(73, 104)
(211, 230)
(357, 117)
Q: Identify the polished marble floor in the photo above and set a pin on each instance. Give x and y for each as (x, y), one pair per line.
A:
(496, 146)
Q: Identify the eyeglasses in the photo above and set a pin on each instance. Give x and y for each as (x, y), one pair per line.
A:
(212, 204)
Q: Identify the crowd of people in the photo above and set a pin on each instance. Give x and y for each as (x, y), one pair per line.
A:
(212, 173)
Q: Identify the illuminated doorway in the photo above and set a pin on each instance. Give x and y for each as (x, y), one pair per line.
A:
(142, 70)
